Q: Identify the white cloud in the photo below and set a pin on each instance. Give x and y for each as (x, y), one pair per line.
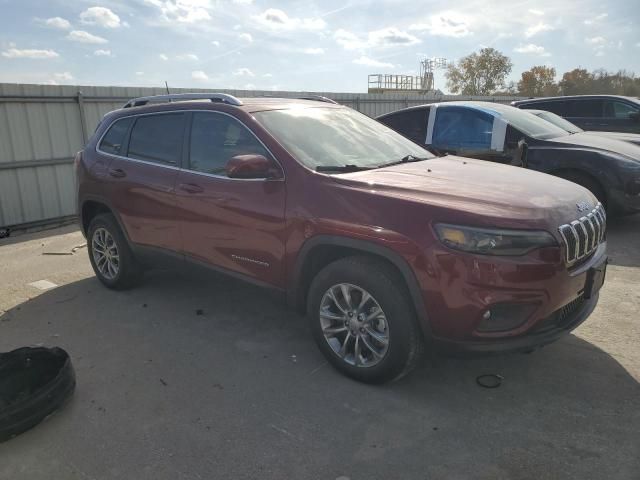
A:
(215, 43)
(445, 24)
(244, 72)
(102, 53)
(199, 75)
(101, 16)
(249, 86)
(246, 37)
(370, 62)
(162, 56)
(533, 49)
(29, 53)
(596, 19)
(595, 40)
(537, 12)
(58, 22)
(184, 11)
(277, 20)
(139, 74)
(538, 28)
(85, 37)
(63, 77)
(188, 56)
(313, 51)
(267, 75)
(243, 2)
(384, 37)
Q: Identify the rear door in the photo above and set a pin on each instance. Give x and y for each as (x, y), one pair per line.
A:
(142, 176)
(621, 116)
(235, 224)
(587, 113)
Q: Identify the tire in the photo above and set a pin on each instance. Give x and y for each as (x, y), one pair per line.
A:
(34, 383)
(128, 272)
(587, 182)
(398, 323)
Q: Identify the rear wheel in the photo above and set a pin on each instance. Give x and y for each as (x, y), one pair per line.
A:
(110, 255)
(362, 320)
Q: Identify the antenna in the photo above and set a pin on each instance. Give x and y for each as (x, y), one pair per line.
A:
(167, 87)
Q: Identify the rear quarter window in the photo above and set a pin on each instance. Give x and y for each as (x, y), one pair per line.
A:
(112, 142)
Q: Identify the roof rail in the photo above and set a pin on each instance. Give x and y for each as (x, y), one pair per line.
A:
(318, 98)
(181, 97)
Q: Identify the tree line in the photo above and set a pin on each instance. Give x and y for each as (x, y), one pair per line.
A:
(485, 73)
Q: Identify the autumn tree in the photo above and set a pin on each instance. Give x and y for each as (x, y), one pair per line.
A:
(540, 81)
(576, 82)
(480, 73)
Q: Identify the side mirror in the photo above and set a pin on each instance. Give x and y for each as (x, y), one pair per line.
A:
(520, 155)
(252, 167)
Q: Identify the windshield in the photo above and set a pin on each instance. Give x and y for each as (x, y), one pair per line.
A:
(558, 121)
(528, 124)
(324, 137)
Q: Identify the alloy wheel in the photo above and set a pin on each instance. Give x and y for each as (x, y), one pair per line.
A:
(105, 253)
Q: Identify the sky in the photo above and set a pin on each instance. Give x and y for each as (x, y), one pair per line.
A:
(307, 45)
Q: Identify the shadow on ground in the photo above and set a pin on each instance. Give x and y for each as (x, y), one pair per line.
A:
(205, 377)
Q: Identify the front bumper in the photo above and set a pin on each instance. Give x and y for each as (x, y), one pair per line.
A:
(558, 324)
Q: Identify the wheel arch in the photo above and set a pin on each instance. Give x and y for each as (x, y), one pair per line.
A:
(92, 206)
(562, 172)
(321, 250)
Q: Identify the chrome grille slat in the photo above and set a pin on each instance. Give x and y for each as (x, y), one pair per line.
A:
(581, 237)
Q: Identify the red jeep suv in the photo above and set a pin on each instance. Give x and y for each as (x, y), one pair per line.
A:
(387, 249)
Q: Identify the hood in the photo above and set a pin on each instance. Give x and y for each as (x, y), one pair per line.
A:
(599, 142)
(625, 137)
(492, 194)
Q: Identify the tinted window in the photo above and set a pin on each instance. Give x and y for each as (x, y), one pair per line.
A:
(215, 139)
(462, 128)
(617, 109)
(411, 123)
(584, 108)
(157, 138)
(112, 142)
(556, 107)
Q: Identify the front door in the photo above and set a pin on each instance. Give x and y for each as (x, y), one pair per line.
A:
(235, 224)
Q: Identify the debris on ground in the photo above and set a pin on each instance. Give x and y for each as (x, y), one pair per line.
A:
(71, 252)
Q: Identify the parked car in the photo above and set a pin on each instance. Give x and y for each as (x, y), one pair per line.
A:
(609, 113)
(386, 248)
(609, 168)
(558, 121)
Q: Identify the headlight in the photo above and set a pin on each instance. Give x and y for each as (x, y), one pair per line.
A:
(493, 242)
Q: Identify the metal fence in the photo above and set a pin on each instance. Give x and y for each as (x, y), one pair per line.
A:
(42, 126)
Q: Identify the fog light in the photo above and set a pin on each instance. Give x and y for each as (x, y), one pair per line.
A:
(505, 316)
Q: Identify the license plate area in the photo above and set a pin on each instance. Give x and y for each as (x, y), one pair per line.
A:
(595, 279)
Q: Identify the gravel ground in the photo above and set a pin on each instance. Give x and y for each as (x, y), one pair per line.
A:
(196, 376)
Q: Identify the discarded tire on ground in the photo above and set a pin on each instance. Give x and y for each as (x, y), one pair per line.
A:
(34, 383)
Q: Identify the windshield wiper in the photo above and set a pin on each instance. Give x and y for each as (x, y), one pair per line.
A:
(341, 168)
(405, 159)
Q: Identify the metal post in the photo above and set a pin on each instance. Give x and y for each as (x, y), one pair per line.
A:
(83, 120)
(357, 103)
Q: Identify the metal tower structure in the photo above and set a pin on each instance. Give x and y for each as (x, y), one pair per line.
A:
(392, 83)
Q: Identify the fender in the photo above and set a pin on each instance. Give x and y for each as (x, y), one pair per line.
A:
(295, 293)
(106, 203)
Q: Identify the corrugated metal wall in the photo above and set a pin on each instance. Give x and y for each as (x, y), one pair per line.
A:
(42, 126)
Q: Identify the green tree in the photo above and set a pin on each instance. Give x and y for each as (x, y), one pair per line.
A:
(576, 82)
(539, 81)
(480, 73)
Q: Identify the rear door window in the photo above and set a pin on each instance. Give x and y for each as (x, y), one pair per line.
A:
(584, 108)
(410, 123)
(215, 139)
(462, 128)
(158, 138)
(113, 140)
(557, 107)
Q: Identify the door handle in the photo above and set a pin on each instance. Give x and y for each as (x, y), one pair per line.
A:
(117, 173)
(191, 188)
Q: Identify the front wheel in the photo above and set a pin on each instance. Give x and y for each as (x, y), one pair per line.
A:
(362, 320)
